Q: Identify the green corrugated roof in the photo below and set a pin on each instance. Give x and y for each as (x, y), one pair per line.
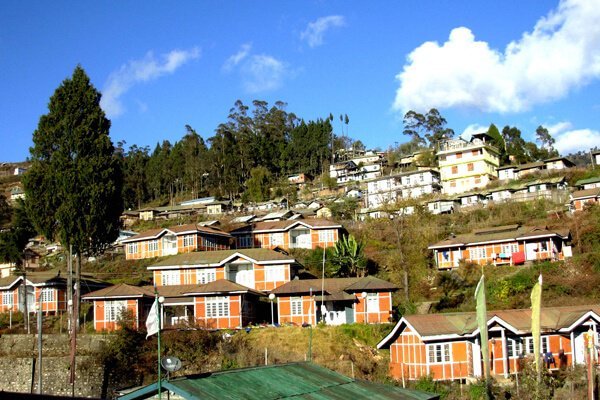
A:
(588, 180)
(295, 380)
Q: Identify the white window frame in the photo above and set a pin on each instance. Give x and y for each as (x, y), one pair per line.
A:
(216, 306)
(326, 235)
(153, 245)
(47, 295)
(438, 353)
(113, 309)
(372, 303)
(132, 248)
(275, 273)
(7, 298)
(170, 277)
(477, 253)
(276, 239)
(296, 305)
(188, 240)
(206, 275)
(510, 248)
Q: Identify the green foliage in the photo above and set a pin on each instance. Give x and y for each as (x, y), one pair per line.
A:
(431, 126)
(14, 240)
(345, 209)
(5, 319)
(74, 183)
(259, 184)
(348, 257)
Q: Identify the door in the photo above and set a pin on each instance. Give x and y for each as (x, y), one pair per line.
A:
(579, 348)
(169, 245)
(456, 257)
(531, 251)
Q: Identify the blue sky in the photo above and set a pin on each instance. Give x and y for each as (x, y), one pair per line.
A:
(162, 65)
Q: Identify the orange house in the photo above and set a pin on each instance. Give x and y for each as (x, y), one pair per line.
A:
(175, 240)
(581, 198)
(335, 301)
(112, 302)
(257, 269)
(511, 244)
(288, 234)
(49, 288)
(447, 346)
(220, 304)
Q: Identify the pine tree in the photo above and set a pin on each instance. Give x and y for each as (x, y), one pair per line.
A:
(74, 184)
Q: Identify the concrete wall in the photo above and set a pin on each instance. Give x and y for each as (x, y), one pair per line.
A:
(18, 365)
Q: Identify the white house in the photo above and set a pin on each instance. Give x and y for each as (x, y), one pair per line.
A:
(407, 185)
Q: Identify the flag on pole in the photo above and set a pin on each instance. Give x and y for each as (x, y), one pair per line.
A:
(482, 324)
(152, 320)
(536, 306)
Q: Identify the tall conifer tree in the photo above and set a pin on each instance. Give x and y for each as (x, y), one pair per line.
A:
(74, 184)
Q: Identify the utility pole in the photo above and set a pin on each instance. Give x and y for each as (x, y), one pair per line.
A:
(39, 324)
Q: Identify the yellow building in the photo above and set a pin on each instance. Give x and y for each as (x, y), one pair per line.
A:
(467, 165)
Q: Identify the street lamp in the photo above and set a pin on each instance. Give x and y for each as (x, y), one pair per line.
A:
(272, 299)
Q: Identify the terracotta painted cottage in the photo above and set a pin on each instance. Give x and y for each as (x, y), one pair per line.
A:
(447, 346)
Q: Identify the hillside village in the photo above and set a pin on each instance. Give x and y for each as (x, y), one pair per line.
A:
(223, 264)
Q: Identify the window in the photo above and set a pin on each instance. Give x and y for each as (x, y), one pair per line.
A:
(296, 305)
(326, 236)
(132, 248)
(407, 181)
(446, 256)
(188, 240)
(455, 170)
(206, 275)
(421, 177)
(209, 243)
(442, 158)
(217, 306)
(544, 246)
(7, 298)
(470, 166)
(244, 241)
(276, 239)
(47, 295)
(477, 253)
(274, 273)
(153, 245)
(169, 278)
(453, 184)
(458, 155)
(112, 309)
(439, 353)
(241, 273)
(510, 248)
(372, 302)
(477, 181)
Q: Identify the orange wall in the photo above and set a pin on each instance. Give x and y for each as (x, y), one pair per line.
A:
(408, 358)
(101, 325)
(264, 239)
(383, 315)
(143, 252)
(234, 320)
(495, 248)
(15, 302)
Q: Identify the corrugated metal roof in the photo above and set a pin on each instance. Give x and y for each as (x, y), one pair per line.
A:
(334, 286)
(296, 380)
(216, 257)
(580, 194)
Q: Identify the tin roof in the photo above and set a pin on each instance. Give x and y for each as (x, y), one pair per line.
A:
(275, 226)
(498, 234)
(582, 182)
(336, 287)
(120, 291)
(199, 258)
(177, 230)
(465, 323)
(294, 380)
(582, 194)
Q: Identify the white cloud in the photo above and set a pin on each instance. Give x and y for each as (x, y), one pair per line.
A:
(313, 34)
(471, 129)
(263, 73)
(136, 71)
(558, 55)
(569, 140)
(236, 58)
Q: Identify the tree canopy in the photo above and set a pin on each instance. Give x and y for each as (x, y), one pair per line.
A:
(74, 183)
